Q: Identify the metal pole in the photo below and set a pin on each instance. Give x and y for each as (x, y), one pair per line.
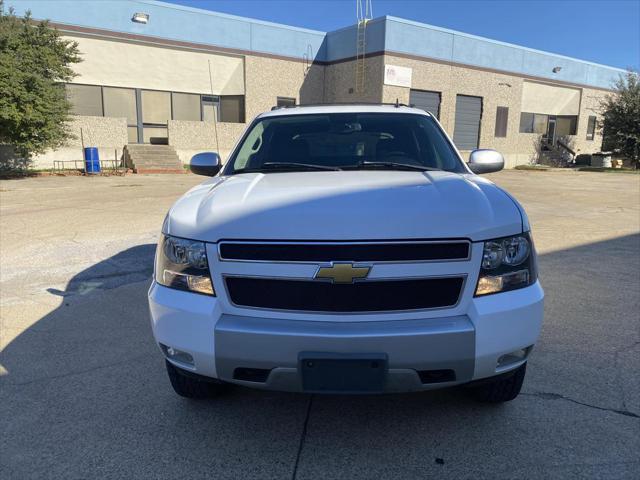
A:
(215, 117)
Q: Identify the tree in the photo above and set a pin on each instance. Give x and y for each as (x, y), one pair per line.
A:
(34, 61)
(621, 112)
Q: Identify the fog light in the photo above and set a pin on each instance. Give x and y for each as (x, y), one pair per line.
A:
(513, 357)
(177, 355)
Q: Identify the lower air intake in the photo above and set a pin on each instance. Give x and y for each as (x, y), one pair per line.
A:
(436, 376)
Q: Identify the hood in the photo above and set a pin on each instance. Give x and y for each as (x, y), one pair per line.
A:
(344, 205)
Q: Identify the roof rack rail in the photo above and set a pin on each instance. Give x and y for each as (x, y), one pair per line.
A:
(339, 104)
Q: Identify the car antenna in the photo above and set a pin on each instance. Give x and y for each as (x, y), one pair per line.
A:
(215, 116)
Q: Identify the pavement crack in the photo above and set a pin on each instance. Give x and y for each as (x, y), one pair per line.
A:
(303, 437)
(557, 396)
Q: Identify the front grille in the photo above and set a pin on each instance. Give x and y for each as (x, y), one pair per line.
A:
(346, 251)
(367, 296)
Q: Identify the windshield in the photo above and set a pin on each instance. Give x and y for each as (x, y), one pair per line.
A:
(344, 141)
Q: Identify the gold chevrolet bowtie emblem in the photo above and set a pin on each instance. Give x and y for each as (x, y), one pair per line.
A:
(342, 272)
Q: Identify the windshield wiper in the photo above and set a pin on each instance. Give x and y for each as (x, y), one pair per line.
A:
(286, 166)
(310, 166)
(394, 165)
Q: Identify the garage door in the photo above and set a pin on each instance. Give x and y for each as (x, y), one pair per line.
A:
(427, 101)
(466, 131)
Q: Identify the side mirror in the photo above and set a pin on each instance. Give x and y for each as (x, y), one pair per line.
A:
(485, 161)
(205, 163)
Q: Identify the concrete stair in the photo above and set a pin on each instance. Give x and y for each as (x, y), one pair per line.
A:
(152, 159)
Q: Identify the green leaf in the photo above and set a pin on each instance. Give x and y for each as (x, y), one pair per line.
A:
(34, 62)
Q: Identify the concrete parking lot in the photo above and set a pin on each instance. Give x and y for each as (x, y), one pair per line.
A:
(84, 394)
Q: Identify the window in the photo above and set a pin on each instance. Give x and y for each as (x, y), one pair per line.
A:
(232, 108)
(502, 116)
(591, 127)
(566, 125)
(156, 107)
(526, 122)
(540, 123)
(250, 146)
(85, 99)
(533, 123)
(121, 102)
(210, 108)
(286, 102)
(344, 140)
(186, 106)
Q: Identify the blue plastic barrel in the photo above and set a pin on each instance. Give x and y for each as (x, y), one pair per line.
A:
(91, 160)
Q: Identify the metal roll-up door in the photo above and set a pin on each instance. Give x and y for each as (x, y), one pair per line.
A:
(466, 132)
(427, 101)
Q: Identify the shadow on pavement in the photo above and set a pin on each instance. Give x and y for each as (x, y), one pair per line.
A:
(86, 394)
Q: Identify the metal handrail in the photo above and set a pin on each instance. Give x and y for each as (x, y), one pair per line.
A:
(566, 147)
(107, 164)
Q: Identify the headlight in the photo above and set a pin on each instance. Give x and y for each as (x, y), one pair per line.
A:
(507, 264)
(182, 264)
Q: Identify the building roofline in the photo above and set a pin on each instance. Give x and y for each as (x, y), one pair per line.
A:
(151, 40)
(201, 11)
(117, 35)
(496, 42)
(353, 26)
(525, 76)
(213, 31)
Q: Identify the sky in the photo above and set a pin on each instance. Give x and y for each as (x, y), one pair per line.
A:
(600, 31)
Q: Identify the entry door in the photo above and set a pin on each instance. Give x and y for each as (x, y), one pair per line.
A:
(156, 113)
(466, 132)
(551, 131)
(427, 101)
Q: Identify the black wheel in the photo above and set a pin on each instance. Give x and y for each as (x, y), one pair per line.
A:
(502, 389)
(189, 385)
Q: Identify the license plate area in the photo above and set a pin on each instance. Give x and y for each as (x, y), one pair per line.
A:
(342, 373)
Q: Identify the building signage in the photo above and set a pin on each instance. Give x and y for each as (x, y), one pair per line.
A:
(398, 76)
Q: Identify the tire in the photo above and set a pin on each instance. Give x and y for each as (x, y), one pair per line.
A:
(189, 386)
(502, 389)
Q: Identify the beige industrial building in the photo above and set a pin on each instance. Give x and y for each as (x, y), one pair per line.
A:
(190, 80)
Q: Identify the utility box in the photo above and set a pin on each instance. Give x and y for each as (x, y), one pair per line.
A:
(601, 160)
(583, 160)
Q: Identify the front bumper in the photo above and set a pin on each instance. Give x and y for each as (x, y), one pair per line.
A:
(469, 345)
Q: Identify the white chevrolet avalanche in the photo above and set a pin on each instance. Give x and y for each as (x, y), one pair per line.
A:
(346, 249)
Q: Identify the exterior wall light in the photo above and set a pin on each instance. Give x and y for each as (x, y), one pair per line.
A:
(140, 17)
(556, 69)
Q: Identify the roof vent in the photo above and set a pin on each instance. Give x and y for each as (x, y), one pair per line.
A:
(140, 17)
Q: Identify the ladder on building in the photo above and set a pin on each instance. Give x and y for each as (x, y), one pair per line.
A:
(363, 15)
(308, 58)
